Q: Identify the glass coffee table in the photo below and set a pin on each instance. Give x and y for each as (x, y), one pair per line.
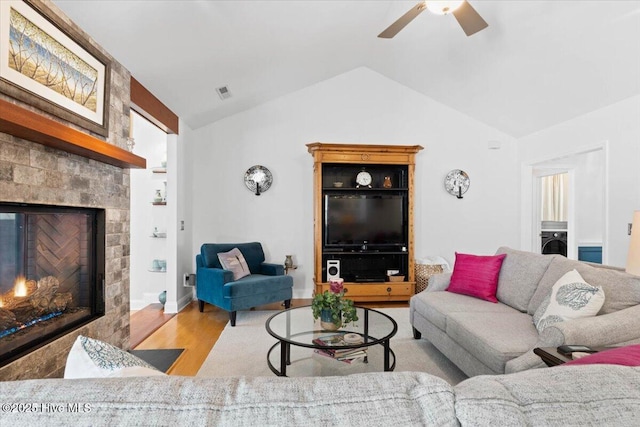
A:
(302, 354)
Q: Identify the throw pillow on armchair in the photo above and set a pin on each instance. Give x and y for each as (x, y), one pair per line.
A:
(234, 261)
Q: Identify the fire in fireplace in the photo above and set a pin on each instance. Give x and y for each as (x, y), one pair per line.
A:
(51, 273)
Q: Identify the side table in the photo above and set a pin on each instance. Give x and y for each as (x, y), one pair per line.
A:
(552, 357)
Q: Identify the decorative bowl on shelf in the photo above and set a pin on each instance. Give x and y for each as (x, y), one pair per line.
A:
(337, 184)
(159, 265)
(396, 278)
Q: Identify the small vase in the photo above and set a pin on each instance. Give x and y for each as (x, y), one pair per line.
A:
(387, 182)
(288, 262)
(162, 297)
(326, 321)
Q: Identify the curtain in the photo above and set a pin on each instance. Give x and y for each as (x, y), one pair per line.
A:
(555, 197)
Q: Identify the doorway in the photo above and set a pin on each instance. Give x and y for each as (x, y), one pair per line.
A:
(148, 216)
(554, 191)
(554, 206)
(567, 205)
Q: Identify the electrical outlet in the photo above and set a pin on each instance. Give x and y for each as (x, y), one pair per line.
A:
(181, 225)
(188, 280)
(629, 226)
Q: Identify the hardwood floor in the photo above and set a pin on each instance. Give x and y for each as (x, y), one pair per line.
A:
(198, 332)
(146, 322)
(194, 331)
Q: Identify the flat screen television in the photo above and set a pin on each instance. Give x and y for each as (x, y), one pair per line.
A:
(351, 220)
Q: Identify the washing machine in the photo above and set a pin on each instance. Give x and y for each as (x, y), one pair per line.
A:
(554, 242)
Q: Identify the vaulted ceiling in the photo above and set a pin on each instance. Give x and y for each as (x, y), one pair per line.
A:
(537, 64)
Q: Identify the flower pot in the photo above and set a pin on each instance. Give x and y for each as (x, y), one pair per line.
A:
(326, 321)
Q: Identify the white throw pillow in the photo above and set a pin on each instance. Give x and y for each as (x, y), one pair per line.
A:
(234, 261)
(571, 298)
(135, 371)
(90, 358)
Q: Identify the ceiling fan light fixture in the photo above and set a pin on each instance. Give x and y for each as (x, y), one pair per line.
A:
(443, 7)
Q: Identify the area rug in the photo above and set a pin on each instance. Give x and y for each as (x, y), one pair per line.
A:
(161, 359)
(242, 351)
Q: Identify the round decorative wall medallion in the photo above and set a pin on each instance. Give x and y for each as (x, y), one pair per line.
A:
(457, 182)
(258, 179)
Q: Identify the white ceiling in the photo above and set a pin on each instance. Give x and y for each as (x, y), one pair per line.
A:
(537, 64)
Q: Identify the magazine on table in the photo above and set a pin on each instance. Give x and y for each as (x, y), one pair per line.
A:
(338, 339)
(356, 357)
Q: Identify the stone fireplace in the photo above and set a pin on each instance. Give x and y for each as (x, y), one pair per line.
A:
(32, 173)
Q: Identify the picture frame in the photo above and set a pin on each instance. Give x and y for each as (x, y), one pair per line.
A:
(51, 66)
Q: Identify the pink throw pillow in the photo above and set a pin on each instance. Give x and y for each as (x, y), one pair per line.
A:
(476, 275)
(627, 356)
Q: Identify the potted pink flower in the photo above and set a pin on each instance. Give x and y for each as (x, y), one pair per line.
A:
(333, 309)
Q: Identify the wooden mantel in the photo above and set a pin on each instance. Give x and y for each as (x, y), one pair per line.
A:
(26, 124)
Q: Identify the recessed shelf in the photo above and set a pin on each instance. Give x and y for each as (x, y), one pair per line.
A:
(157, 271)
(159, 203)
(159, 170)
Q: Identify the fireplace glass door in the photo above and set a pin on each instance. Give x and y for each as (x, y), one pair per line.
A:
(51, 273)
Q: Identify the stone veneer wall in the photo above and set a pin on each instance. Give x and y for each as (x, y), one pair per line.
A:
(33, 173)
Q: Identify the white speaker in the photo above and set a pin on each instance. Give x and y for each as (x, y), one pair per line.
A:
(333, 269)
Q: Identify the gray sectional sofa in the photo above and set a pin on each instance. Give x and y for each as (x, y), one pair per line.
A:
(594, 395)
(482, 337)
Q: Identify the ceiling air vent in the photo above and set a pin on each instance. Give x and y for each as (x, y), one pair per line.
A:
(223, 92)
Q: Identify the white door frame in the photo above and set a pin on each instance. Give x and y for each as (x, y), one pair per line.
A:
(530, 199)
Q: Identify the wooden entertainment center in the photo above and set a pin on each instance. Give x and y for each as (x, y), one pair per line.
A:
(363, 229)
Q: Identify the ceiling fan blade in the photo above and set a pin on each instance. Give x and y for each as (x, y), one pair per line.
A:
(470, 20)
(403, 21)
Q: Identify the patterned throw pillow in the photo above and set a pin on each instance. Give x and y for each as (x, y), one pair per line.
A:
(234, 261)
(90, 358)
(571, 298)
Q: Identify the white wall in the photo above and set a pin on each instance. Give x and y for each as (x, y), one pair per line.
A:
(360, 106)
(179, 200)
(589, 198)
(150, 143)
(619, 124)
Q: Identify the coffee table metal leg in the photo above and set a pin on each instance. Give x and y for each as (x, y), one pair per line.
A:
(386, 356)
(284, 356)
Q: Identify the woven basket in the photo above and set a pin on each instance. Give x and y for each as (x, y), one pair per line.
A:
(423, 272)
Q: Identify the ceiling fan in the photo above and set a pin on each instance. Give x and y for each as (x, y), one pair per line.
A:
(470, 21)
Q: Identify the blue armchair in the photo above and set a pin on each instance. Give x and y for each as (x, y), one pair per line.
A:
(267, 283)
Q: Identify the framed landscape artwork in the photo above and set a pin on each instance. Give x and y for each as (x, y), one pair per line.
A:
(49, 65)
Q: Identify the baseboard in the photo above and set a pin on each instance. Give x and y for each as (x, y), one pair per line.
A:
(175, 307)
